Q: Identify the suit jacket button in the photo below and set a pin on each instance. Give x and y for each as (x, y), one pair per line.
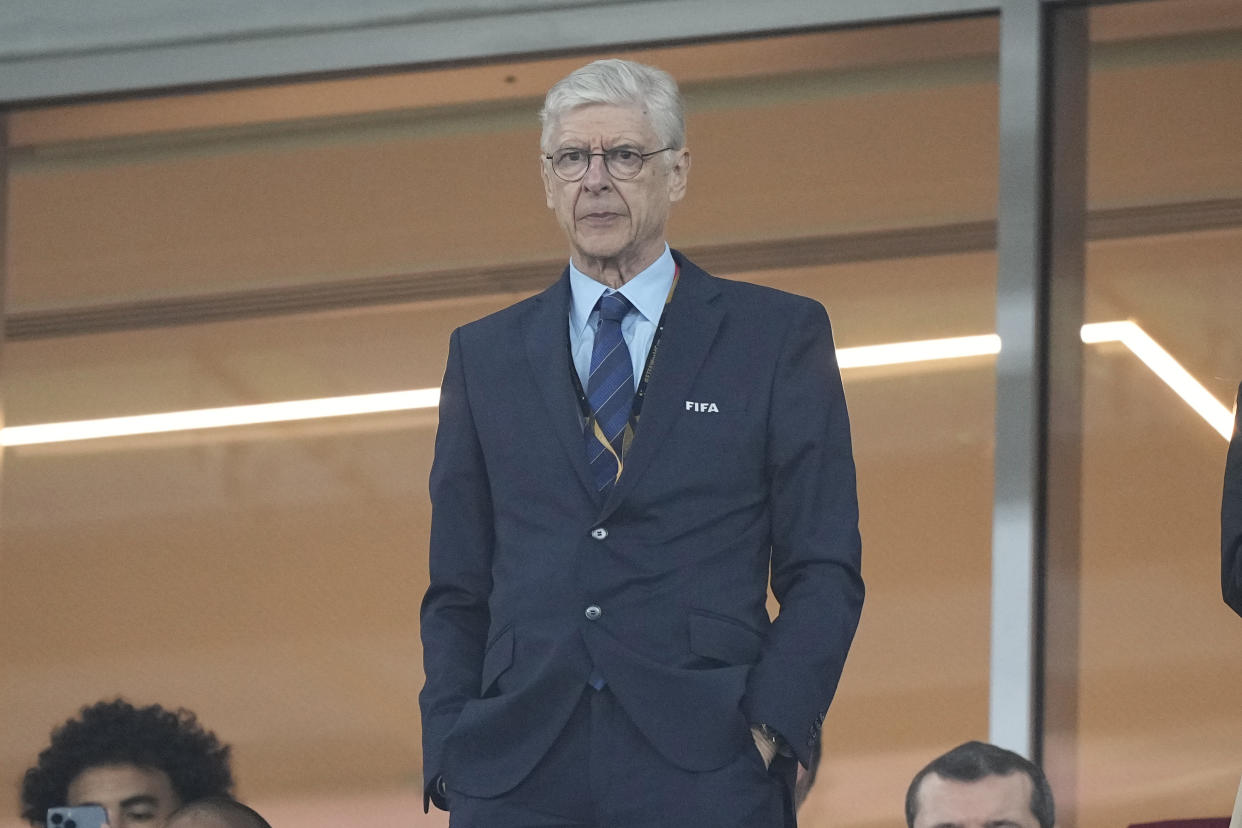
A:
(593, 612)
(599, 533)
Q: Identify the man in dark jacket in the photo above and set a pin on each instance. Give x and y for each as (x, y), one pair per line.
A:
(621, 463)
(1231, 518)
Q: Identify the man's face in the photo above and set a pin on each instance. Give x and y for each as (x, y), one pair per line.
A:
(133, 797)
(607, 219)
(990, 802)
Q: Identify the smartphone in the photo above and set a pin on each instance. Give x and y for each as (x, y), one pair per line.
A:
(83, 816)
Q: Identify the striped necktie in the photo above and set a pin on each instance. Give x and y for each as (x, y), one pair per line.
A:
(610, 393)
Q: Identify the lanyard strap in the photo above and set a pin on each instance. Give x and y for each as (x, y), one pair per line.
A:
(648, 366)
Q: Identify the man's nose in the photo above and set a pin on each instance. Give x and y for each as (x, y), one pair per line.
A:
(596, 177)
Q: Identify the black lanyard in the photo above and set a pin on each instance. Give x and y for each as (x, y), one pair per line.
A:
(648, 367)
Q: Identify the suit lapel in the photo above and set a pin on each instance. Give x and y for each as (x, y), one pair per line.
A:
(545, 331)
(692, 319)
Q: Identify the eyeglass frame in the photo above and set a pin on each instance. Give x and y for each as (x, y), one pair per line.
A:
(604, 155)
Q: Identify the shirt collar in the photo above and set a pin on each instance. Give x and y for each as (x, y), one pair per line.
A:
(647, 292)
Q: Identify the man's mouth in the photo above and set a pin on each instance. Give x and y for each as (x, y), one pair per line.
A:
(599, 217)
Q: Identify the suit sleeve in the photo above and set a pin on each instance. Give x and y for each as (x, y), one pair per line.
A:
(816, 548)
(454, 616)
(1231, 518)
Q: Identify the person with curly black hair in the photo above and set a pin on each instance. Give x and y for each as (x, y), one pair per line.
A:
(139, 763)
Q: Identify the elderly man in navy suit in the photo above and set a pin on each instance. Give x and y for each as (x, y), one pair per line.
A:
(623, 462)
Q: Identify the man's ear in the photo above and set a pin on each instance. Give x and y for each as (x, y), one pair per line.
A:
(678, 175)
(548, 183)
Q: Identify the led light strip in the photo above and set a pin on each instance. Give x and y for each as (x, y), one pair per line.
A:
(235, 415)
(1163, 365)
(923, 350)
(896, 353)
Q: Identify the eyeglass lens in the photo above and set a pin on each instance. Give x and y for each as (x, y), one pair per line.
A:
(622, 162)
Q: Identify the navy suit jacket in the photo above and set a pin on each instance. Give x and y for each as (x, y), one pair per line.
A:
(1231, 518)
(741, 465)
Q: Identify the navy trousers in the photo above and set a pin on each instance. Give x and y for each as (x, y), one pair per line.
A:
(602, 773)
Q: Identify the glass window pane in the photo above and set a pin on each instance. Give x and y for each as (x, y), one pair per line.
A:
(1157, 699)
(269, 576)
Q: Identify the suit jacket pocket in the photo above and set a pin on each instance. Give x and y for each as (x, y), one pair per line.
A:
(723, 639)
(497, 659)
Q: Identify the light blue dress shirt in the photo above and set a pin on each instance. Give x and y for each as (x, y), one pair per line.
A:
(647, 292)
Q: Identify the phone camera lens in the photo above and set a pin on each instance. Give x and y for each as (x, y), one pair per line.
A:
(57, 819)
(71, 823)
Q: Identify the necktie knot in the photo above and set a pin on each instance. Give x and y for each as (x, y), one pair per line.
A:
(613, 307)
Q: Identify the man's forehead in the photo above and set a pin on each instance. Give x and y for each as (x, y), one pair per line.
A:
(119, 780)
(603, 120)
(990, 800)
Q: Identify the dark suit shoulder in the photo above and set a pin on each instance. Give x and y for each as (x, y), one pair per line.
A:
(504, 319)
(759, 298)
(768, 297)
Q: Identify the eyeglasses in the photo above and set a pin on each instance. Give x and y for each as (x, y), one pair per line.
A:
(622, 163)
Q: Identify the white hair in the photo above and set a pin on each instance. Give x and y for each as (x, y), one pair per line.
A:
(620, 83)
